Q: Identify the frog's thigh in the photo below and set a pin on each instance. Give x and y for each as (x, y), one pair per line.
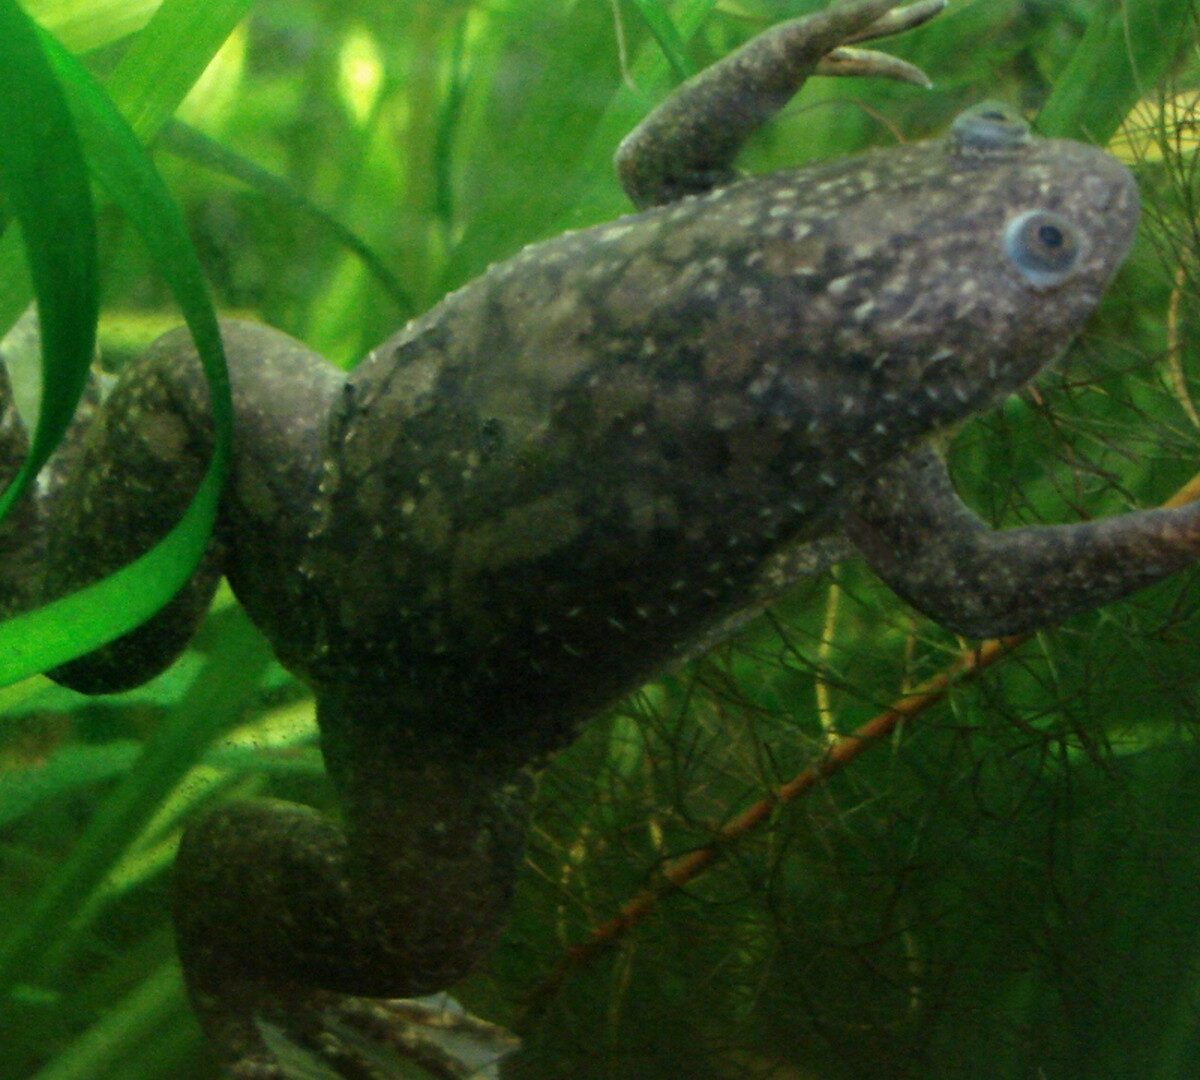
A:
(139, 466)
(917, 535)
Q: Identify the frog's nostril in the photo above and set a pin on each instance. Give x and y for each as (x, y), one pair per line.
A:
(989, 126)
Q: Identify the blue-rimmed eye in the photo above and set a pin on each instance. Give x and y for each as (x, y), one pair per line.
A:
(1045, 247)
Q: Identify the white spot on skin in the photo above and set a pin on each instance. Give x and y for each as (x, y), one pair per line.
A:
(864, 311)
(613, 233)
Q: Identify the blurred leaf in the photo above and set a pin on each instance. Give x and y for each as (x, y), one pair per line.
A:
(1127, 49)
(68, 769)
(87, 24)
(668, 37)
(223, 687)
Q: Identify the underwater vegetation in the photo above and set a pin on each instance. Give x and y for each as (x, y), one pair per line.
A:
(997, 879)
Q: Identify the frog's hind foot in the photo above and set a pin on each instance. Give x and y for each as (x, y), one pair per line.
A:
(898, 19)
(846, 60)
(355, 1038)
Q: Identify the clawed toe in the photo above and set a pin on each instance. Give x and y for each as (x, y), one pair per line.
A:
(897, 20)
(847, 61)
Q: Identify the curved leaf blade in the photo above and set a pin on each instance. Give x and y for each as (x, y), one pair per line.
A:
(46, 181)
(91, 617)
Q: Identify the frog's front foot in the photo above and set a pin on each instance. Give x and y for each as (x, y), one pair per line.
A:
(688, 144)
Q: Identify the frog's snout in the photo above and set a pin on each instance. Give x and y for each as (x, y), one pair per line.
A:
(1074, 208)
(1099, 197)
(1094, 180)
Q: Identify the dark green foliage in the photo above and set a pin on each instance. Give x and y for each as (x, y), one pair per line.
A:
(1009, 888)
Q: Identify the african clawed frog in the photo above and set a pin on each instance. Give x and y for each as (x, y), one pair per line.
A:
(576, 468)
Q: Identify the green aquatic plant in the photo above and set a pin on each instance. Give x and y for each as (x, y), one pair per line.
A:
(1005, 884)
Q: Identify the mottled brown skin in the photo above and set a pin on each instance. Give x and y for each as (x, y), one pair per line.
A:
(575, 471)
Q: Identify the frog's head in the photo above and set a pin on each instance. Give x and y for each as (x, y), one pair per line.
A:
(967, 265)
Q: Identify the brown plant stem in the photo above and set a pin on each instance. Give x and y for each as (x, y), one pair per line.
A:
(841, 751)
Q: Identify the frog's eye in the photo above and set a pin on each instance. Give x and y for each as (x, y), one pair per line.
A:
(1044, 247)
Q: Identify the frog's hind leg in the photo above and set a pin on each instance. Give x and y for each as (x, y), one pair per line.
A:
(124, 481)
(939, 556)
(287, 917)
(688, 144)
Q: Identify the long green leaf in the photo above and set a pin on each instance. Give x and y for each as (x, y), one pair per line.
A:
(192, 145)
(85, 620)
(167, 57)
(147, 86)
(46, 182)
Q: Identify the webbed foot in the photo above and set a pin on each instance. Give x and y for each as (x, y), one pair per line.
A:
(688, 144)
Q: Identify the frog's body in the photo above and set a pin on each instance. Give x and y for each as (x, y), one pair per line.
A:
(573, 466)
(573, 470)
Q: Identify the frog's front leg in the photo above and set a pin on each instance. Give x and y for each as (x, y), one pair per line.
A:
(688, 144)
(938, 555)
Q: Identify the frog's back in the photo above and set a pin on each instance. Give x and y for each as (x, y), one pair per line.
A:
(576, 465)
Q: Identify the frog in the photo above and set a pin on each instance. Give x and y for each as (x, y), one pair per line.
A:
(570, 475)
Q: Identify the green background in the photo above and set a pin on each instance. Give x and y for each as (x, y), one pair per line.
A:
(1009, 887)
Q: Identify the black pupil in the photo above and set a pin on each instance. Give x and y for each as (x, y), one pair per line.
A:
(1050, 235)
